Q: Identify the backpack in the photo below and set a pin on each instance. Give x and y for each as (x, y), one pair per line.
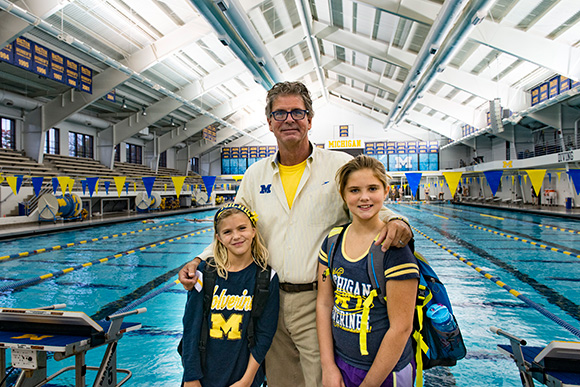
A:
(259, 301)
(431, 346)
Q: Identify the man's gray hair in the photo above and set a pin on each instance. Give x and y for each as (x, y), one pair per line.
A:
(289, 88)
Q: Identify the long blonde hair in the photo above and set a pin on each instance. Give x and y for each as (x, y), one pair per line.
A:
(260, 254)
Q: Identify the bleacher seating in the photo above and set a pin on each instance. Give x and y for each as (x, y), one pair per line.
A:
(77, 166)
(16, 163)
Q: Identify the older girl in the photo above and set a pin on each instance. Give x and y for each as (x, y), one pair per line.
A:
(358, 347)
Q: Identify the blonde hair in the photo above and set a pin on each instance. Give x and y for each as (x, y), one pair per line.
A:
(358, 163)
(260, 254)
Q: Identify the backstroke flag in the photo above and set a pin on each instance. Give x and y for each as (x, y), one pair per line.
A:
(148, 183)
(413, 178)
(574, 174)
(452, 179)
(119, 183)
(208, 181)
(178, 184)
(493, 179)
(37, 184)
(536, 178)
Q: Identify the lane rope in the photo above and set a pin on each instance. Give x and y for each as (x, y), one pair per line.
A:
(60, 247)
(513, 292)
(542, 246)
(58, 273)
(138, 302)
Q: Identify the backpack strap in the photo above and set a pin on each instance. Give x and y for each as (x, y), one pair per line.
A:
(261, 294)
(334, 238)
(209, 279)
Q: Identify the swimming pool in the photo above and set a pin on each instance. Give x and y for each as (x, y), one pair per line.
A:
(148, 257)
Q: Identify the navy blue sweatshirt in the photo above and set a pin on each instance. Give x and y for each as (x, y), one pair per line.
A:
(227, 352)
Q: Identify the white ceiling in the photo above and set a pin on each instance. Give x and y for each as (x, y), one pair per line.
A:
(424, 63)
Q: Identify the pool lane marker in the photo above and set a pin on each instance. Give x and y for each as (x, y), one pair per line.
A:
(491, 216)
(559, 229)
(58, 273)
(503, 285)
(60, 247)
(542, 246)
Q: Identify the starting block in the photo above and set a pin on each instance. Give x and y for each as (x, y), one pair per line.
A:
(31, 333)
(556, 365)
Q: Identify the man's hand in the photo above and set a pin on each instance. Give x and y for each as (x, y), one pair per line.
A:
(187, 275)
(396, 233)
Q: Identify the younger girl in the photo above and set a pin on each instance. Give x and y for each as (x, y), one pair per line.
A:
(380, 355)
(228, 359)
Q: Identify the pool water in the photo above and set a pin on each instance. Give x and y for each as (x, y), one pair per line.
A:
(547, 275)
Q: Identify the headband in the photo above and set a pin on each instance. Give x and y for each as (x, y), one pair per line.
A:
(240, 207)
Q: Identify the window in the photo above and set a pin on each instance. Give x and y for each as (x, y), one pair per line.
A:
(195, 165)
(163, 159)
(118, 153)
(52, 141)
(80, 145)
(8, 133)
(133, 154)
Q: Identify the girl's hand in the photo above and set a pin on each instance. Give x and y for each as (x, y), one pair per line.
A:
(194, 383)
(332, 377)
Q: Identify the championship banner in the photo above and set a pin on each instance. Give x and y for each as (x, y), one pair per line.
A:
(57, 67)
(72, 73)
(40, 60)
(23, 53)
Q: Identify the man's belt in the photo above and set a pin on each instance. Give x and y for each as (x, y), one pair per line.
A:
(295, 288)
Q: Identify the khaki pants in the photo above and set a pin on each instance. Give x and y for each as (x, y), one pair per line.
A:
(294, 358)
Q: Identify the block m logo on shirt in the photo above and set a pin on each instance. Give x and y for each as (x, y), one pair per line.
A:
(231, 328)
(265, 189)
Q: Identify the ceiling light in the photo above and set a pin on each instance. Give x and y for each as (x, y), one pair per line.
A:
(172, 123)
(124, 105)
(143, 112)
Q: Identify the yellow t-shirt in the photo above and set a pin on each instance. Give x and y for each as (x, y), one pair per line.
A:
(290, 176)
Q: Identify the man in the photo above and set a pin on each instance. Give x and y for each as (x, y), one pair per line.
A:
(295, 196)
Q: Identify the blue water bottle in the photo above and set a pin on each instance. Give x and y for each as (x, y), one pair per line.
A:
(441, 318)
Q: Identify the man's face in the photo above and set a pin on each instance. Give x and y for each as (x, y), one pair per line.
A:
(290, 132)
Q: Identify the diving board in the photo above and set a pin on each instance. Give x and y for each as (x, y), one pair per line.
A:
(31, 333)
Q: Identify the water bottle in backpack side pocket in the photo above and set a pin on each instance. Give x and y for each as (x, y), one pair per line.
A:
(441, 319)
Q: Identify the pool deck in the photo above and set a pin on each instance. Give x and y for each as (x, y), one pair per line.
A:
(560, 211)
(11, 231)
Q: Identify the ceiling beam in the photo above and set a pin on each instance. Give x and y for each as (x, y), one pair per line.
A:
(561, 58)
